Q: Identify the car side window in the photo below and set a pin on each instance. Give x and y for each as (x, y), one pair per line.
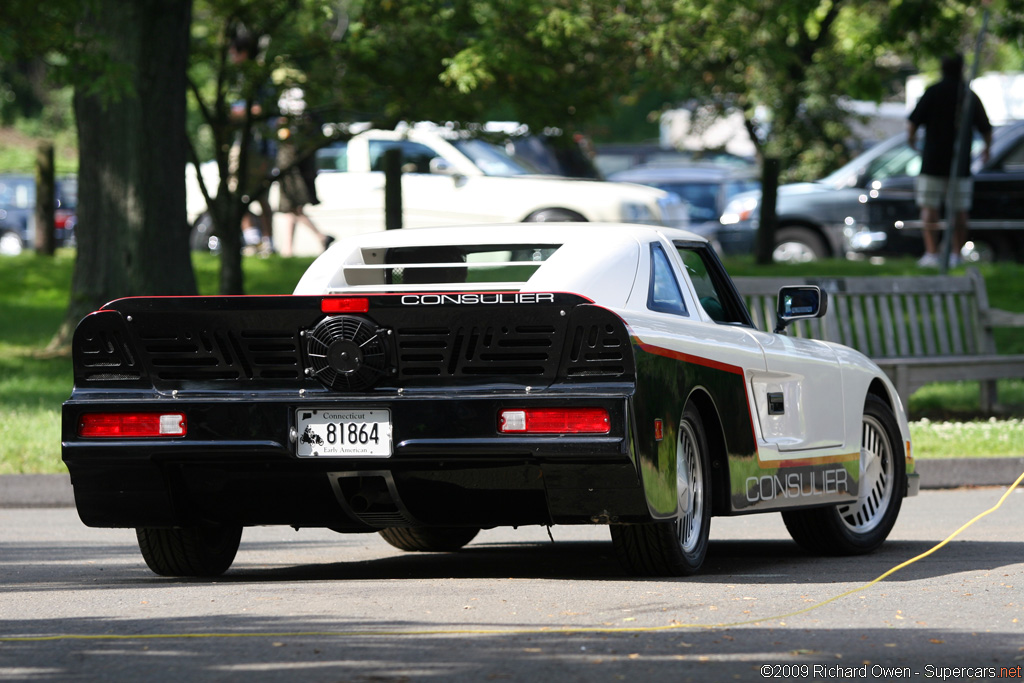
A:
(714, 290)
(333, 158)
(1014, 161)
(735, 187)
(664, 294)
(415, 156)
(899, 161)
(702, 198)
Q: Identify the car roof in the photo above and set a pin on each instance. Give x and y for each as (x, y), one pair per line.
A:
(664, 172)
(596, 260)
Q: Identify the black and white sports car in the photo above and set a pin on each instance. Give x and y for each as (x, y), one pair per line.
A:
(425, 384)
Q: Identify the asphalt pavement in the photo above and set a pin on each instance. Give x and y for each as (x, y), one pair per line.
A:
(54, 490)
(524, 605)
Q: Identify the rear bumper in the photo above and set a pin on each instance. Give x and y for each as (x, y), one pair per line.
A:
(449, 467)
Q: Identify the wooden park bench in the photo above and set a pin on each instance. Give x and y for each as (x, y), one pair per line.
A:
(931, 328)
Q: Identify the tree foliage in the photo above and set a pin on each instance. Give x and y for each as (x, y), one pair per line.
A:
(542, 63)
(788, 65)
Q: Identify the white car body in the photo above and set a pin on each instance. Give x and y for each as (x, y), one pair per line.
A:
(426, 384)
(609, 265)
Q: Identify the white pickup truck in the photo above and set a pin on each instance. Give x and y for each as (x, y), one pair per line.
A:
(450, 179)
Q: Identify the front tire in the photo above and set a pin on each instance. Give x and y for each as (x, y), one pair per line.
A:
(798, 245)
(677, 547)
(429, 539)
(201, 551)
(863, 525)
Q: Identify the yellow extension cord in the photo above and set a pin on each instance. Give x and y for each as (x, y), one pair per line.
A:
(529, 631)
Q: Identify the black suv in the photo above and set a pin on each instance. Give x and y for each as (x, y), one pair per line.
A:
(867, 206)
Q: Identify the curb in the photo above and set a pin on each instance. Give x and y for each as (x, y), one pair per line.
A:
(36, 491)
(956, 472)
(54, 490)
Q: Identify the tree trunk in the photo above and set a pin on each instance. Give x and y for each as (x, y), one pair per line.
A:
(768, 218)
(132, 230)
(45, 199)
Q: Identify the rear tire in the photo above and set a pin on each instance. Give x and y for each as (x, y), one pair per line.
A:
(189, 551)
(798, 245)
(429, 539)
(677, 547)
(861, 526)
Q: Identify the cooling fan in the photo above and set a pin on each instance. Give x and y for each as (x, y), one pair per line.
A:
(347, 353)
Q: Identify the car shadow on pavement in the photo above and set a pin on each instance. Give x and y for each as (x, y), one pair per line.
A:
(778, 562)
(767, 562)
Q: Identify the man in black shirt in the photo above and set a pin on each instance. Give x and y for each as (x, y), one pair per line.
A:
(939, 111)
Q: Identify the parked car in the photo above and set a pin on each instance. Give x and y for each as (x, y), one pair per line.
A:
(426, 384)
(454, 179)
(707, 189)
(543, 154)
(17, 212)
(615, 157)
(891, 222)
(867, 206)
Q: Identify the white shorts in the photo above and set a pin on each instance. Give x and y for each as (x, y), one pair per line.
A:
(932, 190)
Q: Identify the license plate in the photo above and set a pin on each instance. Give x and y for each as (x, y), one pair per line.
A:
(343, 433)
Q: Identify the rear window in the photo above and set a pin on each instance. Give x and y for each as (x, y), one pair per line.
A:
(430, 265)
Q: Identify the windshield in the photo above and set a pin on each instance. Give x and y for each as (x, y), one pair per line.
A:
(492, 159)
(846, 176)
(889, 159)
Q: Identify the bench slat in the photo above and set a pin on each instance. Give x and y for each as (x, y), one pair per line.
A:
(859, 328)
(919, 329)
(914, 322)
(955, 323)
(873, 332)
(888, 328)
(927, 326)
(941, 330)
(843, 322)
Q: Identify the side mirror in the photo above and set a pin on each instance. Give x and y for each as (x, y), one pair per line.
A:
(439, 166)
(799, 302)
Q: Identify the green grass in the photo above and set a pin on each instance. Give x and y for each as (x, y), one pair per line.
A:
(976, 439)
(33, 299)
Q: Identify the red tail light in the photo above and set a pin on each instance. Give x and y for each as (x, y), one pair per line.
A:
(345, 305)
(554, 421)
(132, 425)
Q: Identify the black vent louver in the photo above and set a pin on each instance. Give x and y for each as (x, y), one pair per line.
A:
(598, 349)
(105, 355)
(200, 353)
(347, 353)
(465, 351)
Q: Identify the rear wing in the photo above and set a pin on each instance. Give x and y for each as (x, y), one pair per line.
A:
(378, 342)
